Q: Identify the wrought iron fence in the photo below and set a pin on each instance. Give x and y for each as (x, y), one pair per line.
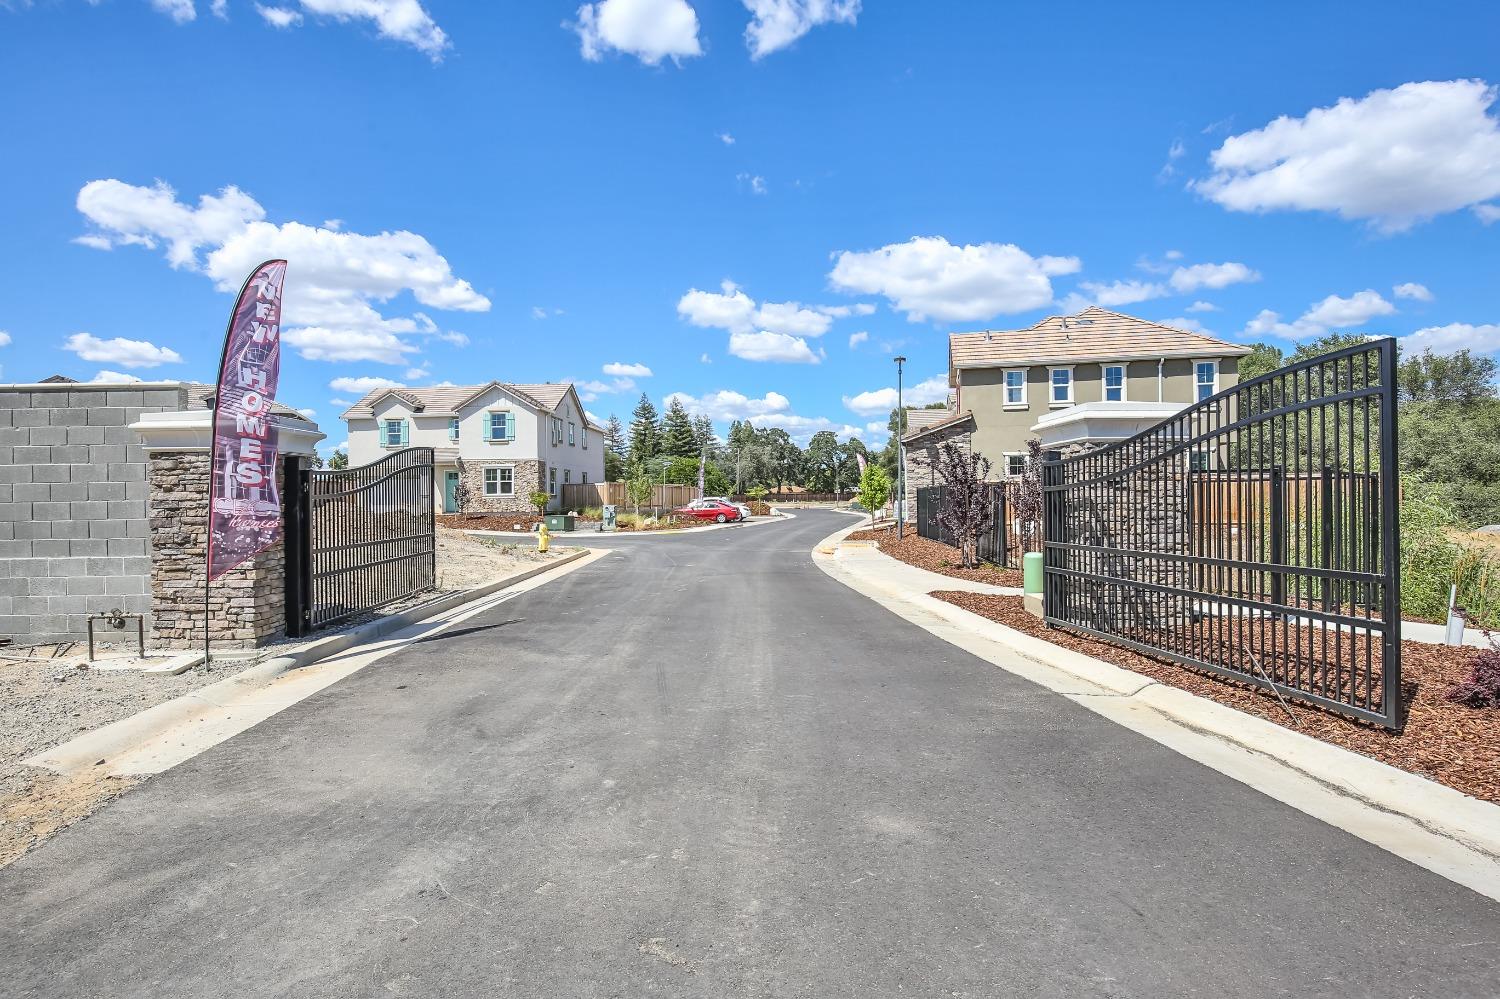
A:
(1005, 537)
(1254, 535)
(365, 539)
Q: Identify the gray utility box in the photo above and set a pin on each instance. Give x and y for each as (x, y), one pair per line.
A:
(608, 522)
(560, 522)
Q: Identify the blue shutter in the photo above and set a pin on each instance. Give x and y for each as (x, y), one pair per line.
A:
(405, 435)
(489, 424)
(510, 426)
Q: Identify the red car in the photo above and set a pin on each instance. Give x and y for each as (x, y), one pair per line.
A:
(719, 513)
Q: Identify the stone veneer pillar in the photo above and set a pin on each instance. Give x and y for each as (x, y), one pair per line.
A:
(246, 606)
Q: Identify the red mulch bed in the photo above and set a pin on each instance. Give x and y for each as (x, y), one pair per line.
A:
(1446, 742)
(934, 556)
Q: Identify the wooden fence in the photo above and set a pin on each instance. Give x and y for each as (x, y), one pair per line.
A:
(578, 495)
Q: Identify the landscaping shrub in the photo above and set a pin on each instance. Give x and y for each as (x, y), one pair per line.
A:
(1432, 561)
(1482, 688)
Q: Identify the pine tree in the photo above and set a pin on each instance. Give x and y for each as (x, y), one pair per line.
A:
(645, 432)
(677, 439)
(614, 449)
(703, 434)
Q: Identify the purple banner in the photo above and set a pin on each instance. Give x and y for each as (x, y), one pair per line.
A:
(244, 505)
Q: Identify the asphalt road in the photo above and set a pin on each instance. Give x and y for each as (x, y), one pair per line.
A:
(701, 767)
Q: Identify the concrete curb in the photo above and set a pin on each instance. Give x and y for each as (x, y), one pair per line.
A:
(1427, 823)
(121, 736)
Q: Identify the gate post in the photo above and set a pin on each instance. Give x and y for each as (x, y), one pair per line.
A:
(296, 545)
(1390, 536)
(1002, 515)
(1054, 517)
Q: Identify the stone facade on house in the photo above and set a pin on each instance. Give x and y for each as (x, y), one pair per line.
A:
(527, 476)
(247, 605)
(74, 533)
(920, 448)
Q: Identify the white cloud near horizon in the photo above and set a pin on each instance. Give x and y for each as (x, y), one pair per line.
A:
(881, 401)
(127, 353)
(114, 378)
(928, 278)
(362, 385)
(1481, 339)
(1392, 158)
(618, 369)
(1332, 313)
(775, 24)
(650, 30)
(333, 286)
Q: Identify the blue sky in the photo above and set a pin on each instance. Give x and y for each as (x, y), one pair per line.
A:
(535, 191)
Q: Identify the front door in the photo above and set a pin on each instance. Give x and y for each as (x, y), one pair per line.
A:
(450, 492)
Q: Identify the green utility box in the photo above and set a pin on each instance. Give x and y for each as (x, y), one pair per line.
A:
(560, 522)
(1031, 572)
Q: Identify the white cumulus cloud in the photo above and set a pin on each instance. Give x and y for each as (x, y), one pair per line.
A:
(650, 30)
(181, 11)
(1412, 290)
(1334, 312)
(929, 278)
(855, 339)
(279, 17)
(768, 346)
(361, 385)
(334, 282)
(881, 401)
(727, 404)
(1392, 158)
(128, 353)
(775, 24)
(114, 378)
(621, 370)
(4, 338)
(1190, 279)
(1481, 339)
(405, 21)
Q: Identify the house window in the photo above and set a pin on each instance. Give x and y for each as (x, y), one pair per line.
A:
(1015, 463)
(394, 434)
(501, 426)
(453, 428)
(1114, 383)
(584, 433)
(1206, 375)
(1015, 388)
(571, 440)
(585, 478)
(567, 476)
(552, 480)
(556, 430)
(1062, 386)
(499, 481)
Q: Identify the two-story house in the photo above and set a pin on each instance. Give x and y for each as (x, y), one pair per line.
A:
(513, 439)
(1004, 382)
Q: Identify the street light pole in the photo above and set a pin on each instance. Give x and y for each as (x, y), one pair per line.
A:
(900, 454)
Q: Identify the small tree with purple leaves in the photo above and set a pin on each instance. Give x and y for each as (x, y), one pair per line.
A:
(967, 505)
(1028, 505)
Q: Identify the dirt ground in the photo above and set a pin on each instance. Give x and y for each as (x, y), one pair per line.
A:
(50, 694)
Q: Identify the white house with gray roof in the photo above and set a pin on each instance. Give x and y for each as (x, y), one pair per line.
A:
(512, 439)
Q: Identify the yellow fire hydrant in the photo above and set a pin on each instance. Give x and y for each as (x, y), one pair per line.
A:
(542, 537)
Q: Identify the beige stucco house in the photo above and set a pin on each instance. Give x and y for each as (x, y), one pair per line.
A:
(1004, 382)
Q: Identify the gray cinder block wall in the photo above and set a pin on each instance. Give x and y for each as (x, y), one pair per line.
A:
(74, 533)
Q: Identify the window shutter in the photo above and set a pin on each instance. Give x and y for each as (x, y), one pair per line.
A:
(489, 426)
(510, 426)
(405, 434)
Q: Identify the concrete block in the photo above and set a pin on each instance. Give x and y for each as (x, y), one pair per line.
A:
(125, 397)
(14, 436)
(49, 548)
(108, 528)
(30, 418)
(127, 546)
(72, 492)
(5, 610)
(73, 454)
(15, 549)
(48, 586)
(138, 529)
(61, 568)
(30, 530)
(68, 605)
(14, 400)
(69, 416)
(7, 418)
(46, 435)
(88, 546)
(83, 586)
(50, 624)
(29, 455)
(136, 566)
(8, 492)
(86, 398)
(106, 567)
(15, 512)
(7, 530)
(28, 605)
(163, 398)
(104, 454)
(15, 626)
(135, 491)
(106, 416)
(88, 510)
(127, 471)
(53, 473)
(126, 510)
(87, 435)
(10, 586)
(70, 530)
(15, 473)
(125, 584)
(52, 511)
(106, 490)
(89, 473)
(120, 435)
(31, 492)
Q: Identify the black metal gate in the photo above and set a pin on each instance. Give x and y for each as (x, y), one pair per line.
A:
(1003, 540)
(1254, 535)
(358, 538)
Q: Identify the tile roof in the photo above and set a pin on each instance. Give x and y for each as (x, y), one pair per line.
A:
(436, 399)
(950, 420)
(917, 419)
(1093, 334)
